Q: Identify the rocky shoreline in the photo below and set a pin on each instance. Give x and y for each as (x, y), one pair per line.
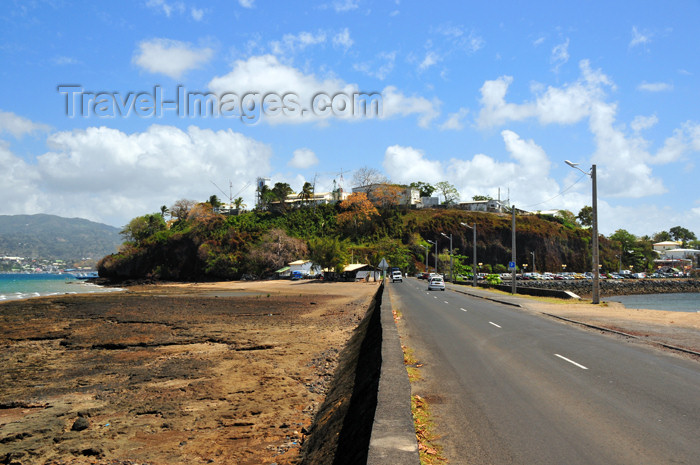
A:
(612, 287)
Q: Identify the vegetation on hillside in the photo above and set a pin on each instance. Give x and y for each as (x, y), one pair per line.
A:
(199, 244)
(53, 237)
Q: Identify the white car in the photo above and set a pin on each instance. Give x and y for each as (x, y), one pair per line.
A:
(396, 276)
(436, 284)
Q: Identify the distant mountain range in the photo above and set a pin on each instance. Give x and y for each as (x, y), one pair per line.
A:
(54, 237)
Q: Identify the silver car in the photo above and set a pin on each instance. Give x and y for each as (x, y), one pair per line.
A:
(436, 284)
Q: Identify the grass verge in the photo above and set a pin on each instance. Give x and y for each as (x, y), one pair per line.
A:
(429, 449)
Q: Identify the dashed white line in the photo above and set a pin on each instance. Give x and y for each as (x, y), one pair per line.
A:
(492, 323)
(446, 301)
(463, 309)
(571, 361)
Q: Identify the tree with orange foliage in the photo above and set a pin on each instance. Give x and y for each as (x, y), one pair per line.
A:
(357, 212)
(387, 195)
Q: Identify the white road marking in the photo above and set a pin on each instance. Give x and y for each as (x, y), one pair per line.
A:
(491, 322)
(572, 362)
(463, 309)
(446, 301)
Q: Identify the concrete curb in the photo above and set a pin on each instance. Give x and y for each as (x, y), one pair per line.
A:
(393, 440)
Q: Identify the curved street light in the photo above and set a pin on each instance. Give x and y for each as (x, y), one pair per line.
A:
(452, 267)
(436, 254)
(473, 228)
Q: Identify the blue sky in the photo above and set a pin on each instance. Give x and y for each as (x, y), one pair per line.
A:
(484, 95)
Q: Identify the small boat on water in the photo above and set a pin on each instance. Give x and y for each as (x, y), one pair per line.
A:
(82, 274)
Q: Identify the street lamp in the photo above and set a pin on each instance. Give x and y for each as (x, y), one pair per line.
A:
(452, 266)
(594, 241)
(473, 228)
(534, 270)
(426, 256)
(436, 255)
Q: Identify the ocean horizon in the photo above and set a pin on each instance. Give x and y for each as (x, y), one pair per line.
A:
(17, 286)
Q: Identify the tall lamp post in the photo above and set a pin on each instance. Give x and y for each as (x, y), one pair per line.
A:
(473, 228)
(534, 270)
(436, 257)
(594, 241)
(426, 256)
(452, 266)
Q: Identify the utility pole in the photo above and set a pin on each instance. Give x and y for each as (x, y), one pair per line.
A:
(436, 254)
(513, 285)
(594, 242)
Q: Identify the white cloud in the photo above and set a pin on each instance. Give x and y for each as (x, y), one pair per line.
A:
(560, 55)
(431, 58)
(293, 43)
(539, 41)
(560, 105)
(640, 123)
(396, 103)
(197, 14)
(166, 7)
(130, 174)
(407, 164)
(303, 158)
(247, 3)
(639, 38)
(379, 71)
(343, 40)
(263, 74)
(170, 57)
(342, 6)
(655, 87)
(455, 121)
(19, 184)
(19, 126)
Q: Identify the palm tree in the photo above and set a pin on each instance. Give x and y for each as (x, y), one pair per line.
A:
(238, 204)
(307, 192)
(164, 210)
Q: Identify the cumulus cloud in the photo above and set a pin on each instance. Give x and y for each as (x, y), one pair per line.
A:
(557, 105)
(265, 74)
(303, 158)
(246, 3)
(19, 126)
(407, 164)
(170, 57)
(107, 175)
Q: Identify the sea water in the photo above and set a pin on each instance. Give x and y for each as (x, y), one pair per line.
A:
(15, 286)
(680, 302)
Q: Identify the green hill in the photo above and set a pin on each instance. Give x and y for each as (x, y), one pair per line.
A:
(53, 237)
(209, 246)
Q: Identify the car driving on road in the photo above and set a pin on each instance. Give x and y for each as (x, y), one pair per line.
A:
(436, 284)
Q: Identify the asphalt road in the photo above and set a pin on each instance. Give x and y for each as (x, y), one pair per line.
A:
(512, 387)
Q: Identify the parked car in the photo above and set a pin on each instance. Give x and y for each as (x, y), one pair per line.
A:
(436, 284)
